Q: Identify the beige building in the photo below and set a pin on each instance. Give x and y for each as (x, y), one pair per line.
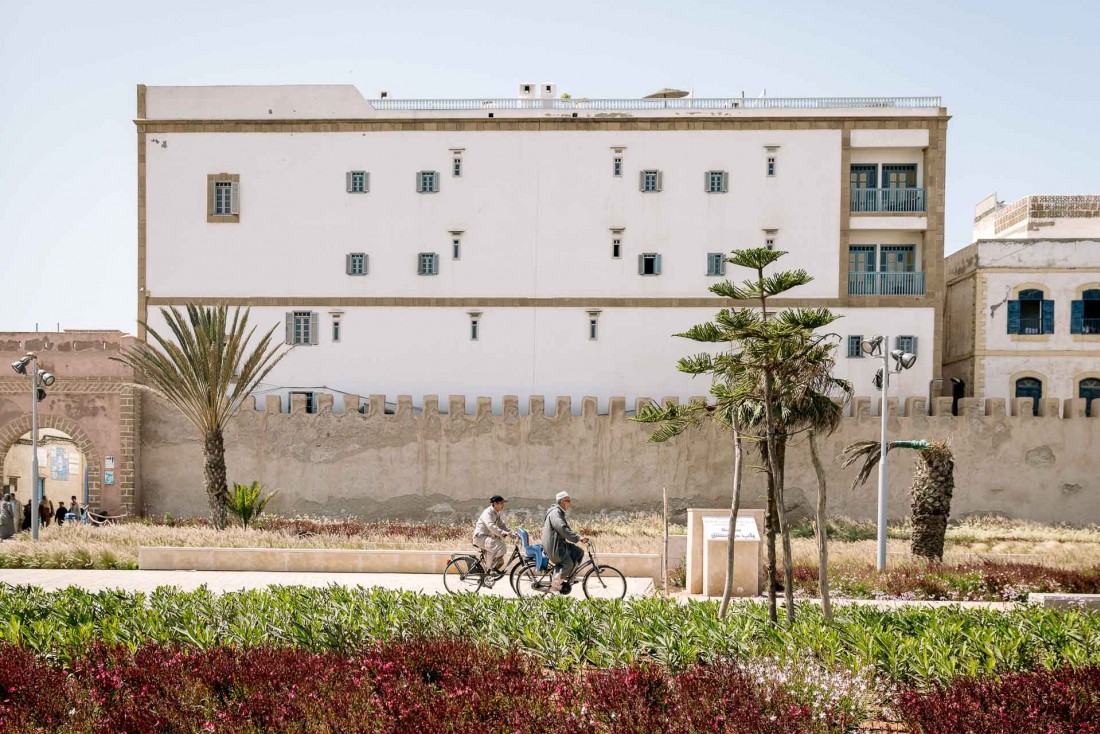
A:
(1022, 317)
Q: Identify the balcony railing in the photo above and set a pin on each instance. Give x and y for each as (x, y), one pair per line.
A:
(683, 103)
(1031, 325)
(887, 200)
(1090, 326)
(885, 284)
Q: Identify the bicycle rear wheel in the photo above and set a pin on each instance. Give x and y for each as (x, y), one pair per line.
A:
(514, 574)
(531, 583)
(604, 582)
(463, 573)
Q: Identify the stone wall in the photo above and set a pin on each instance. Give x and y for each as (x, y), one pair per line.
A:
(431, 463)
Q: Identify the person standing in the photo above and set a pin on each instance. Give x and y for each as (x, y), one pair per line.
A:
(59, 514)
(489, 532)
(558, 542)
(7, 519)
(74, 508)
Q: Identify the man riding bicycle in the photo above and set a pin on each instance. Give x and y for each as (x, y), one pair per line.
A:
(488, 534)
(558, 541)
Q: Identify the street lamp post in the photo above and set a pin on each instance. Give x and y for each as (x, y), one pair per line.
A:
(903, 361)
(39, 378)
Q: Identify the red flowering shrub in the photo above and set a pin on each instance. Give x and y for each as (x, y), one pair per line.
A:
(28, 690)
(411, 687)
(1063, 701)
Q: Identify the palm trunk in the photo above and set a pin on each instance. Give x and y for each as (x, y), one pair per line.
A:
(727, 591)
(217, 490)
(770, 575)
(821, 530)
(784, 530)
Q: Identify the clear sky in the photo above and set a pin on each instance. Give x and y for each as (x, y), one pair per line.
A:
(1020, 79)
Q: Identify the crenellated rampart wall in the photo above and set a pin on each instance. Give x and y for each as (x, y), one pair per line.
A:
(446, 462)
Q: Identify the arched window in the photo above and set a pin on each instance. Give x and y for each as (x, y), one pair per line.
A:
(1030, 387)
(1030, 313)
(1089, 390)
(1085, 313)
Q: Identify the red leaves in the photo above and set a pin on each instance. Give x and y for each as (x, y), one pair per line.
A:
(1063, 701)
(412, 687)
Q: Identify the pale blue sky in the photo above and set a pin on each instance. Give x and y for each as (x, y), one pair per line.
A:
(1020, 80)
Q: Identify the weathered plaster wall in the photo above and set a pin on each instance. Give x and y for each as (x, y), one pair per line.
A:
(90, 401)
(443, 464)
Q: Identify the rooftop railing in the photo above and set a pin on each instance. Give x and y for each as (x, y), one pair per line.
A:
(682, 103)
(1049, 207)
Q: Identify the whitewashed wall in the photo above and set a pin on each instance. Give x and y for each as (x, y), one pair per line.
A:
(517, 202)
(545, 351)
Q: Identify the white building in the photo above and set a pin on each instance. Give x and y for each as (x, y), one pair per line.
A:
(1023, 303)
(532, 245)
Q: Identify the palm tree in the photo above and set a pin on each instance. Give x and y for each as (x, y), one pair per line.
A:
(210, 367)
(933, 485)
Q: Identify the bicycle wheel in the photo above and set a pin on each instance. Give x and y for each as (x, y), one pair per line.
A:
(514, 574)
(604, 582)
(531, 583)
(463, 573)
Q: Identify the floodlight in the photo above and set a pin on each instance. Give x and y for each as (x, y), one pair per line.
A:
(20, 365)
(41, 394)
(877, 380)
(871, 347)
(904, 360)
(45, 378)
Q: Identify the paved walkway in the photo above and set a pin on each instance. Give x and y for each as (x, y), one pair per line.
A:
(219, 581)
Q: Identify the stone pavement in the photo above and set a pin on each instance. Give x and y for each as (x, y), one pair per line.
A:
(219, 581)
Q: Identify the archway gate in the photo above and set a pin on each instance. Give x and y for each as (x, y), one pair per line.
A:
(92, 401)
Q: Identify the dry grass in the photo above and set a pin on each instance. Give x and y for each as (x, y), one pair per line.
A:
(115, 546)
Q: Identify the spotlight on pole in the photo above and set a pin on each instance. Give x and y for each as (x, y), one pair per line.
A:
(20, 365)
(45, 378)
(904, 360)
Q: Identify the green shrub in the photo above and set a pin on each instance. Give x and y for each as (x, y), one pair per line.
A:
(247, 501)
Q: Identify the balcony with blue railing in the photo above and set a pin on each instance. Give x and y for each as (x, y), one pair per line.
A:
(885, 284)
(909, 201)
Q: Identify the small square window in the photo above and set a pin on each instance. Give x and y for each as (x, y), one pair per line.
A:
(616, 247)
(855, 346)
(222, 198)
(906, 344)
(427, 263)
(427, 182)
(769, 238)
(716, 263)
(716, 182)
(358, 182)
(336, 327)
(475, 323)
(771, 165)
(456, 165)
(649, 263)
(456, 248)
(617, 166)
(650, 181)
(356, 263)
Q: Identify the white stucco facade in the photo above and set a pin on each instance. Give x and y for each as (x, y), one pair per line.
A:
(1023, 314)
(550, 222)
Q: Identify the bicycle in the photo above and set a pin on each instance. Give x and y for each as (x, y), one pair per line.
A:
(600, 581)
(466, 572)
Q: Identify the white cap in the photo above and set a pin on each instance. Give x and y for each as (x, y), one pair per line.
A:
(562, 496)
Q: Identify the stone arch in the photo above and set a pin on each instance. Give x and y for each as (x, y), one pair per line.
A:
(1080, 292)
(1030, 286)
(1077, 380)
(1044, 383)
(15, 429)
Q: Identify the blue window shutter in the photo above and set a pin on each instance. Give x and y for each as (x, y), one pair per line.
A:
(656, 264)
(1048, 317)
(1013, 317)
(1077, 318)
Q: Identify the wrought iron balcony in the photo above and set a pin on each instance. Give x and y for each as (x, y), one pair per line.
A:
(885, 284)
(888, 200)
(1090, 326)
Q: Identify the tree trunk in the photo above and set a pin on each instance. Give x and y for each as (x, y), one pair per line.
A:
(784, 529)
(821, 533)
(770, 575)
(933, 486)
(727, 591)
(217, 491)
